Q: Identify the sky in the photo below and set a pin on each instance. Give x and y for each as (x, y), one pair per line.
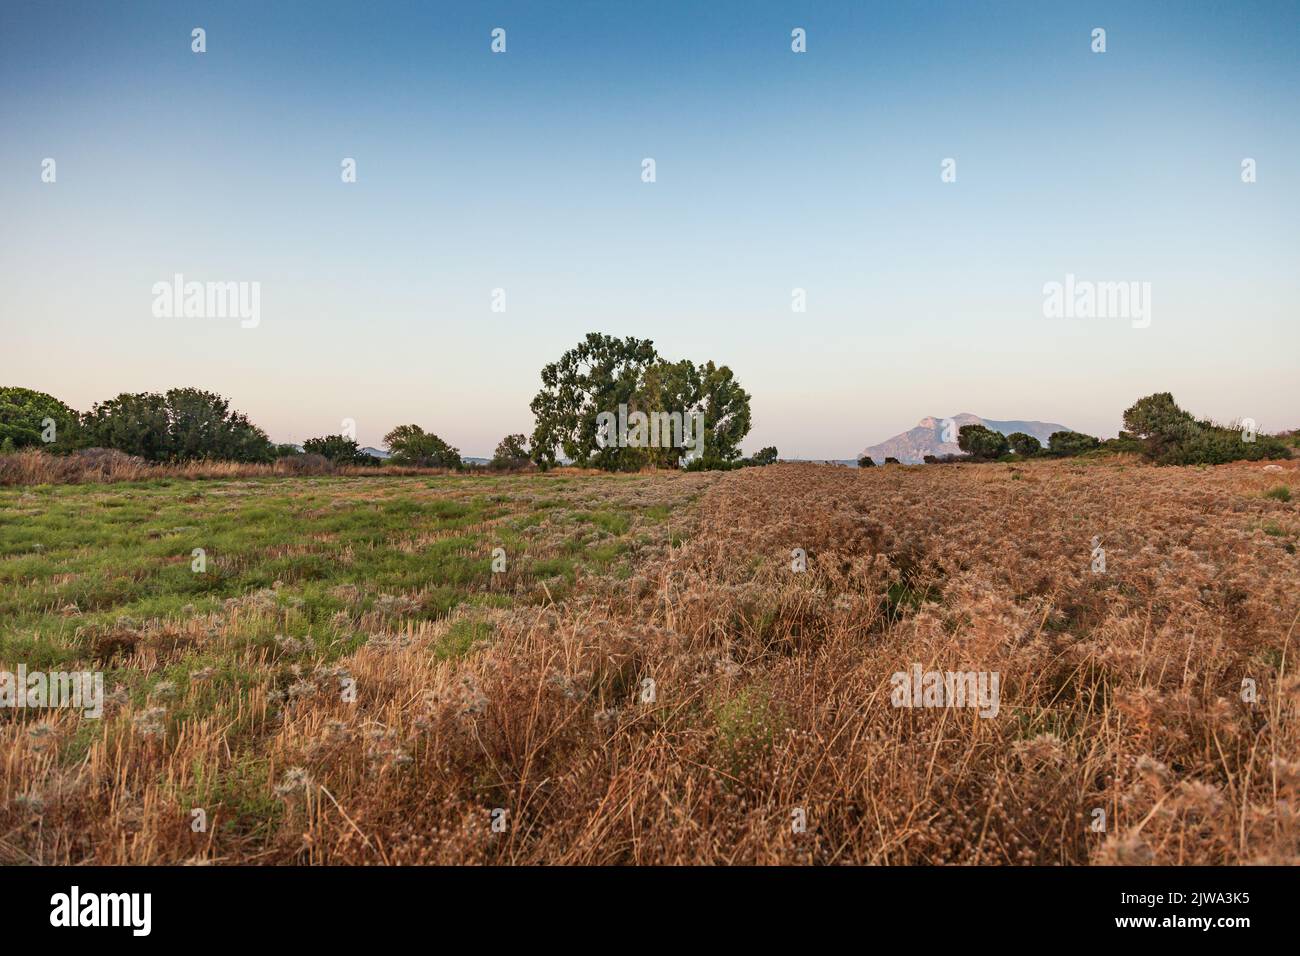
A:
(774, 171)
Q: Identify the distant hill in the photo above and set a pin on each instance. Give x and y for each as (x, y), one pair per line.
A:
(926, 438)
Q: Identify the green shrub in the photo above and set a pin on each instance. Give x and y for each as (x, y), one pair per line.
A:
(1026, 446)
(1067, 444)
(29, 418)
(1209, 444)
(1168, 435)
(511, 453)
(412, 445)
(461, 637)
(339, 450)
(182, 424)
(982, 443)
(748, 723)
(764, 456)
(1124, 444)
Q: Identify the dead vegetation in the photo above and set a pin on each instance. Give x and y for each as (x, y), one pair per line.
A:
(33, 467)
(702, 708)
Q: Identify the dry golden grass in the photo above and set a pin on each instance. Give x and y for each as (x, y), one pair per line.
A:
(33, 467)
(1120, 690)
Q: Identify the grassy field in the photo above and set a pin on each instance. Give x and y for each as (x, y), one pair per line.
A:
(653, 678)
(297, 574)
(92, 571)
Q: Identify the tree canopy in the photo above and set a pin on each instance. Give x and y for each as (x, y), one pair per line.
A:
(29, 417)
(412, 445)
(1066, 443)
(339, 449)
(181, 425)
(511, 452)
(1024, 445)
(1168, 435)
(702, 408)
(597, 375)
(981, 442)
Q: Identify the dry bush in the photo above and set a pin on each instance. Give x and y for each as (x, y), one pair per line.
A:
(1121, 691)
(33, 467)
(306, 464)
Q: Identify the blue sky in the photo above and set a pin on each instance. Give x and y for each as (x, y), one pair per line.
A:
(775, 170)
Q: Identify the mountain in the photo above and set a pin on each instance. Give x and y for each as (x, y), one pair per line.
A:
(926, 438)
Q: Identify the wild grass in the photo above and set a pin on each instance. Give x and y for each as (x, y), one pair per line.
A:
(99, 465)
(1161, 692)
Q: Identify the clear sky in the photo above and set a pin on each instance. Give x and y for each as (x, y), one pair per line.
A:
(775, 171)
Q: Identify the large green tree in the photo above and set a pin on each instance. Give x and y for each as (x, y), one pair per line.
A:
(1159, 424)
(981, 442)
(597, 375)
(511, 452)
(1024, 445)
(181, 425)
(709, 401)
(412, 445)
(135, 422)
(700, 411)
(338, 449)
(1168, 435)
(726, 413)
(32, 418)
(1067, 444)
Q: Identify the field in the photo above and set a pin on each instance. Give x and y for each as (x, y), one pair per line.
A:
(655, 677)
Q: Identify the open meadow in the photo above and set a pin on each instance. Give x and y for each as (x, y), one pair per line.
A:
(659, 667)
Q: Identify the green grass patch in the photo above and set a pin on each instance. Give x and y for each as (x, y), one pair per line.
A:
(92, 575)
(461, 637)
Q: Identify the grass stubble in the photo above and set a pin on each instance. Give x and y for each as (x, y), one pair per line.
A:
(649, 681)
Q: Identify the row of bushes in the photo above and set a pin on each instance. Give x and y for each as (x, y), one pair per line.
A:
(983, 444)
(1184, 441)
(598, 376)
(189, 424)
(1168, 435)
(1154, 428)
(31, 466)
(183, 424)
(764, 456)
